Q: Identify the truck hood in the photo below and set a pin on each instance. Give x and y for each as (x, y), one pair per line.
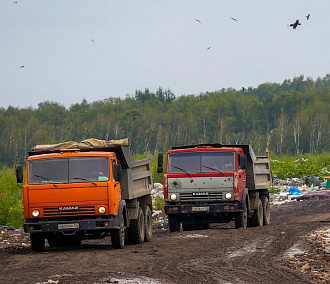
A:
(200, 183)
(65, 195)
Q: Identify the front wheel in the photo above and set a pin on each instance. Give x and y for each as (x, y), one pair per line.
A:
(37, 241)
(118, 236)
(174, 223)
(241, 218)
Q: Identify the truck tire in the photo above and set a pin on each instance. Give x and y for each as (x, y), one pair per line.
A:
(137, 229)
(241, 218)
(174, 223)
(187, 226)
(266, 209)
(37, 241)
(118, 236)
(258, 216)
(147, 223)
(55, 241)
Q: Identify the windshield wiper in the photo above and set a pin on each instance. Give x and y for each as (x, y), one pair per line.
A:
(213, 169)
(47, 179)
(93, 182)
(181, 170)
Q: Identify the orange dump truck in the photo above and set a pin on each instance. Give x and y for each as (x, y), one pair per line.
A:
(87, 190)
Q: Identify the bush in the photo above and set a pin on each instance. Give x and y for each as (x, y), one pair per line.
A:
(159, 203)
(11, 206)
(301, 165)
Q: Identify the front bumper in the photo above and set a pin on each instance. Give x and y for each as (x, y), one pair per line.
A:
(71, 225)
(201, 208)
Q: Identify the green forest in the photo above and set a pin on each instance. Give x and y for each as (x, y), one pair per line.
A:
(290, 118)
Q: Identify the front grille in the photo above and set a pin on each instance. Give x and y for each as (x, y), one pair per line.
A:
(81, 211)
(188, 196)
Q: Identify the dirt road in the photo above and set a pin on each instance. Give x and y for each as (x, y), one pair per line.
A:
(219, 255)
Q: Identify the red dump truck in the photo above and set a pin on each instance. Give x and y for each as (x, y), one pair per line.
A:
(87, 190)
(214, 183)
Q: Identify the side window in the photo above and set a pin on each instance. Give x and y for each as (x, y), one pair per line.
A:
(113, 163)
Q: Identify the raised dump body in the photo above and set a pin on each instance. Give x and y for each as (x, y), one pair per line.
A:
(208, 183)
(86, 190)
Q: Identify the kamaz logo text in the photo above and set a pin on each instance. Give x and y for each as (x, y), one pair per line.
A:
(68, 208)
(200, 193)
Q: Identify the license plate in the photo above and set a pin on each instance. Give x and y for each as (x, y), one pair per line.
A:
(68, 226)
(200, 209)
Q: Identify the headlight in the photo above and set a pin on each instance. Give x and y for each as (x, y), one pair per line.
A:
(228, 195)
(173, 197)
(35, 213)
(102, 210)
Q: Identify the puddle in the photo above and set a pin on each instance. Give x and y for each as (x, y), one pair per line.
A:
(194, 236)
(137, 280)
(294, 250)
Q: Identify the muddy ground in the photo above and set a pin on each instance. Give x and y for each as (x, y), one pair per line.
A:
(221, 254)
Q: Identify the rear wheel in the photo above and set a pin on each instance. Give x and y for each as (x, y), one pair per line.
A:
(37, 241)
(258, 217)
(266, 209)
(118, 236)
(174, 223)
(137, 229)
(241, 218)
(147, 223)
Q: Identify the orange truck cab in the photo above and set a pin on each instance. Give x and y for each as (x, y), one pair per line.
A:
(74, 194)
(213, 183)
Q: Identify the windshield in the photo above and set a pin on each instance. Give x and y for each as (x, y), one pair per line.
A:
(201, 162)
(63, 170)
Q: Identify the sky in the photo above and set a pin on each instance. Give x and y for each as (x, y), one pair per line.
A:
(73, 50)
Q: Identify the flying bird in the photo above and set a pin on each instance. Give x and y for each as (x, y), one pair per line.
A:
(92, 40)
(295, 24)
(234, 19)
(243, 89)
(22, 66)
(308, 16)
(198, 20)
(208, 47)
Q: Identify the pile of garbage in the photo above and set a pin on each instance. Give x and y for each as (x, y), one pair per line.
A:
(296, 189)
(314, 263)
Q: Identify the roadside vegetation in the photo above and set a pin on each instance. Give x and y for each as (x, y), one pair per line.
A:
(289, 118)
(11, 206)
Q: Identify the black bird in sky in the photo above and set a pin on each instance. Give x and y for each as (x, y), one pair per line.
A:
(308, 16)
(198, 20)
(295, 24)
(22, 66)
(92, 40)
(234, 19)
(243, 89)
(208, 47)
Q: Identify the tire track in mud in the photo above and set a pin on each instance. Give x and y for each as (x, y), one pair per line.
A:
(220, 255)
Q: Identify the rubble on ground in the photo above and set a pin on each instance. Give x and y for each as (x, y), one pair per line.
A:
(314, 263)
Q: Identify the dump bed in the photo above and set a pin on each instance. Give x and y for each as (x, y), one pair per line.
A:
(136, 175)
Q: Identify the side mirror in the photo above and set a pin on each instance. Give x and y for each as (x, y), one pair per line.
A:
(160, 163)
(19, 173)
(242, 161)
(117, 172)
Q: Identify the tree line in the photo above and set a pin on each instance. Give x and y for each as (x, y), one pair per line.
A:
(288, 118)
